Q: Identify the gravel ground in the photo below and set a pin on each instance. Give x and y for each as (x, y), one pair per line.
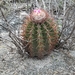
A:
(59, 62)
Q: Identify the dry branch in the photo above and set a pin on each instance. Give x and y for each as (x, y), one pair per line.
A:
(15, 40)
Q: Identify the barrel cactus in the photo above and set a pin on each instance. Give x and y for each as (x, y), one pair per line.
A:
(41, 32)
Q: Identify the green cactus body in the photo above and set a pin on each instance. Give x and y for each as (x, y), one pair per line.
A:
(41, 37)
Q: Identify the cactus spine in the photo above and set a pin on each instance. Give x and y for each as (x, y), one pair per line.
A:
(42, 35)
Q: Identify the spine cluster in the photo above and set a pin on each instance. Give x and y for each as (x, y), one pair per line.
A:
(42, 36)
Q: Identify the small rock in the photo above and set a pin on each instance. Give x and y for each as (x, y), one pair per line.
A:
(72, 53)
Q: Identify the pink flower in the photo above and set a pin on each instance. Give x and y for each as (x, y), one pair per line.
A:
(37, 10)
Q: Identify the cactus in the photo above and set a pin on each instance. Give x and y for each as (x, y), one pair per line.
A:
(41, 32)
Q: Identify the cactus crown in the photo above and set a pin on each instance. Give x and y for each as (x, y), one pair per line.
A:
(41, 32)
(38, 15)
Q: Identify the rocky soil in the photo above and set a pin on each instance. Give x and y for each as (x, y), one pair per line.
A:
(59, 62)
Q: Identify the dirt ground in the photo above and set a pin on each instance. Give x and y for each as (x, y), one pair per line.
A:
(59, 62)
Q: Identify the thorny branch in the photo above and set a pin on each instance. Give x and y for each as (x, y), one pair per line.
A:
(15, 40)
(69, 25)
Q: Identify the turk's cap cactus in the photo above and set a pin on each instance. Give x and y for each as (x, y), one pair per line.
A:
(38, 15)
(40, 32)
